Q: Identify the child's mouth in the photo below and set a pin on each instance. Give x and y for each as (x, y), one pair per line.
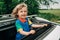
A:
(24, 15)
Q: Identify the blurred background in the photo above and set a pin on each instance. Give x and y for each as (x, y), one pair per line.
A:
(47, 9)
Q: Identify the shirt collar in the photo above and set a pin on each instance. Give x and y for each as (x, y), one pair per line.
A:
(22, 20)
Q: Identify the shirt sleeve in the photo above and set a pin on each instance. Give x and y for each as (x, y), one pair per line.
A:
(30, 23)
(18, 26)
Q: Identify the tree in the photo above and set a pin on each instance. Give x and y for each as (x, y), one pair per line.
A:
(7, 4)
(33, 5)
(47, 2)
(2, 8)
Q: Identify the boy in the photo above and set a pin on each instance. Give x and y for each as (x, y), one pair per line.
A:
(22, 23)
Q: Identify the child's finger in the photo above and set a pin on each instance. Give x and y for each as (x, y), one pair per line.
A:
(45, 24)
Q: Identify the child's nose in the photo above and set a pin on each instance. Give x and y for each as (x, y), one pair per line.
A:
(23, 12)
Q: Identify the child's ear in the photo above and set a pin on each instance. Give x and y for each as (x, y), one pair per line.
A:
(17, 14)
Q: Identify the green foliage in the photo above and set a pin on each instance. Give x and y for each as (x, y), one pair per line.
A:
(13, 4)
(49, 16)
(2, 8)
(33, 5)
(53, 11)
(52, 15)
(1, 0)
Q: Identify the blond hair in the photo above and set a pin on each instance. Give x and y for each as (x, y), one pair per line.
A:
(17, 8)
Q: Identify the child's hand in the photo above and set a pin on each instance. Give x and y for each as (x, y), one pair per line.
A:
(45, 24)
(32, 31)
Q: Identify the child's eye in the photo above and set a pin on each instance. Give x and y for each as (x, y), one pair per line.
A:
(25, 11)
(21, 11)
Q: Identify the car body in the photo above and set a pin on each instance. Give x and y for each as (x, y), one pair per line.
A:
(8, 29)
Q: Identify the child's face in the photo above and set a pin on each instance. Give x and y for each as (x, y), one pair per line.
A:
(22, 13)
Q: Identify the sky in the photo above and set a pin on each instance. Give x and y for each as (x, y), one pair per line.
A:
(55, 6)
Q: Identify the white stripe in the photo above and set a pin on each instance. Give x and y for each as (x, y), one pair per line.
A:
(6, 20)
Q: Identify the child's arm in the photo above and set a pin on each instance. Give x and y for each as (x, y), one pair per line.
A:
(37, 26)
(26, 33)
